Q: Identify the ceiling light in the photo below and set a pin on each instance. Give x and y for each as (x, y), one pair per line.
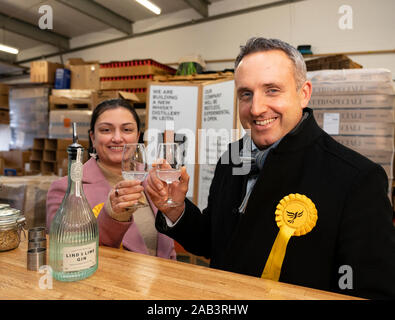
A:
(150, 6)
(8, 49)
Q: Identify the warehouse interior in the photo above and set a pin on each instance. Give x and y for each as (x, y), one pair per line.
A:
(92, 38)
(178, 31)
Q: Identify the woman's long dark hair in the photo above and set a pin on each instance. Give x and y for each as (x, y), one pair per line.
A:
(108, 105)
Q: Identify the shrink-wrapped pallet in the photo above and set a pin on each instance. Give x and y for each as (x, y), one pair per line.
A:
(356, 107)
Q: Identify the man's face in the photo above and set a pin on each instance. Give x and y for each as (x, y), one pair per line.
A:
(269, 103)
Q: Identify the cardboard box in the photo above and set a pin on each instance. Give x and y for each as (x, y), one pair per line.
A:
(73, 93)
(365, 115)
(352, 75)
(78, 62)
(195, 78)
(4, 104)
(352, 101)
(78, 98)
(1, 166)
(365, 142)
(43, 71)
(85, 76)
(127, 82)
(16, 159)
(59, 103)
(332, 62)
(4, 89)
(357, 128)
(135, 67)
(141, 94)
(4, 116)
(354, 88)
(100, 95)
(60, 123)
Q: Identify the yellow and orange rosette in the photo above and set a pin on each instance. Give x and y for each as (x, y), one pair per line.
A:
(296, 215)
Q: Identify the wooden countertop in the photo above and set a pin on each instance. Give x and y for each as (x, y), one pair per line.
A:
(132, 276)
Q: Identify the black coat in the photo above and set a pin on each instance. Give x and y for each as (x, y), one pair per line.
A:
(354, 226)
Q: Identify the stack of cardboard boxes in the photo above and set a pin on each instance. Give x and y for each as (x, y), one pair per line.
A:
(46, 108)
(4, 106)
(41, 113)
(356, 107)
(131, 76)
(43, 71)
(64, 105)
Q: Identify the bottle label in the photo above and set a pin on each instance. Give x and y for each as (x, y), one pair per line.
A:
(79, 258)
(76, 171)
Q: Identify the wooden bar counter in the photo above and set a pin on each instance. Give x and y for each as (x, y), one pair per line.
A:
(131, 276)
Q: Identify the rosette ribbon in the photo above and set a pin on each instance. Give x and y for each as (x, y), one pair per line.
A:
(296, 215)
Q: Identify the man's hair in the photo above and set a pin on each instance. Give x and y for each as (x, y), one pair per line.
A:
(258, 44)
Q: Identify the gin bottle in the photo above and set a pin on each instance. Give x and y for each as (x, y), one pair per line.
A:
(74, 234)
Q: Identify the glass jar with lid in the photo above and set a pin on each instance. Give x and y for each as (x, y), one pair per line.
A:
(11, 224)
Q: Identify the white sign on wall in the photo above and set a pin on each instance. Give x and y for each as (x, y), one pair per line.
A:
(218, 120)
(173, 107)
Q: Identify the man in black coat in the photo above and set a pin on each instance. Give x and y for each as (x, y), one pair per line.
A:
(336, 223)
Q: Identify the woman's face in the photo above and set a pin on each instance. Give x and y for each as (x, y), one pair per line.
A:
(114, 128)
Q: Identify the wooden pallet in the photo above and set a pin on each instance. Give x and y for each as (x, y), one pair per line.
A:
(59, 103)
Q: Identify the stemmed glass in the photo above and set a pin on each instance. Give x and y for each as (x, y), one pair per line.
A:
(135, 166)
(168, 168)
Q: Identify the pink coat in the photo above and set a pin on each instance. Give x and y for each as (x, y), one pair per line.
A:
(111, 232)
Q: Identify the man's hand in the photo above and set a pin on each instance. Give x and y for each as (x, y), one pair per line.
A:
(158, 191)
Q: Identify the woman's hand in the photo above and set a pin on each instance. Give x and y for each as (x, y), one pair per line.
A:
(124, 195)
(158, 191)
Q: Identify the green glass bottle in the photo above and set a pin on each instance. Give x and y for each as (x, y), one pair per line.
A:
(74, 233)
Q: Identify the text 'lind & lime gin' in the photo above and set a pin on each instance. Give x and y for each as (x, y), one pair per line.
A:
(74, 234)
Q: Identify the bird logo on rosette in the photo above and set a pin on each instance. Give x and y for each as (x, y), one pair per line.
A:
(293, 215)
(297, 212)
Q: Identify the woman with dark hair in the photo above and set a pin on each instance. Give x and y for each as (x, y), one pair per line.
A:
(113, 124)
